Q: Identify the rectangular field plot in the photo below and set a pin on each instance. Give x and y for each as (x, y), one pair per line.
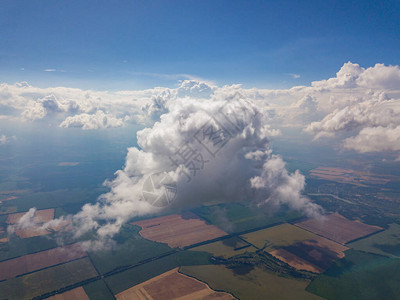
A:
(75, 294)
(139, 274)
(40, 216)
(384, 243)
(226, 248)
(314, 255)
(47, 280)
(178, 230)
(257, 284)
(299, 248)
(32, 262)
(277, 236)
(337, 228)
(172, 285)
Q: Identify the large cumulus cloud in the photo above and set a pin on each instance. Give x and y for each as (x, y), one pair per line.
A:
(212, 149)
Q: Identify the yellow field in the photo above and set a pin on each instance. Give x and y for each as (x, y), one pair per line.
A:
(257, 284)
(222, 249)
(172, 285)
(277, 236)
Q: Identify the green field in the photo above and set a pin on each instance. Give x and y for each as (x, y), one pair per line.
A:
(18, 247)
(236, 217)
(98, 290)
(226, 248)
(47, 280)
(131, 248)
(127, 279)
(385, 242)
(359, 276)
(256, 284)
(277, 236)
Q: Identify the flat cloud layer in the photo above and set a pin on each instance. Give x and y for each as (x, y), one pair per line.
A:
(186, 126)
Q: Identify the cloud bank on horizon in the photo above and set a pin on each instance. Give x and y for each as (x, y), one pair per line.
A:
(225, 131)
(359, 105)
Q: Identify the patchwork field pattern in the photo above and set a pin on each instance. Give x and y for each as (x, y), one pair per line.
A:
(277, 236)
(44, 281)
(297, 247)
(172, 285)
(178, 230)
(257, 284)
(315, 255)
(337, 228)
(349, 176)
(359, 276)
(384, 243)
(75, 294)
(32, 262)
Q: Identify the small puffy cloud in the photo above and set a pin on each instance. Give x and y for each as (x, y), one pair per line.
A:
(50, 70)
(5, 139)
(99, 120)
(294, 76)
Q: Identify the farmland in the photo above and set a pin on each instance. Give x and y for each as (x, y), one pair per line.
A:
(350, 176)
(75, 294)
(40, 216)
(178, 230)
(130, 249)
(359, 276)
(337, 228)
(129, 278)
(32, 262)
(172, 285)
(298, 248)
(236, 217)
(277, 236)
(384, 243)
(254, 285)
(18, 247)
(314, 255)
(47, 280)
(226, 248)
(98, 290)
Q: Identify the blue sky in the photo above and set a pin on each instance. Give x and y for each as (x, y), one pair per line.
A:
(142, 44)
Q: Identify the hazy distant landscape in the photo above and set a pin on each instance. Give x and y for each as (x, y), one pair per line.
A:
(253, 253)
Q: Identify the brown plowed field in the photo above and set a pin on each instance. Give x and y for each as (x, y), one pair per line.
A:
(75, 294)
(315, 255)
(41, 216)
(172, 285)
(294, 261)
(178, 230)
(338, 228)
(36, 261)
